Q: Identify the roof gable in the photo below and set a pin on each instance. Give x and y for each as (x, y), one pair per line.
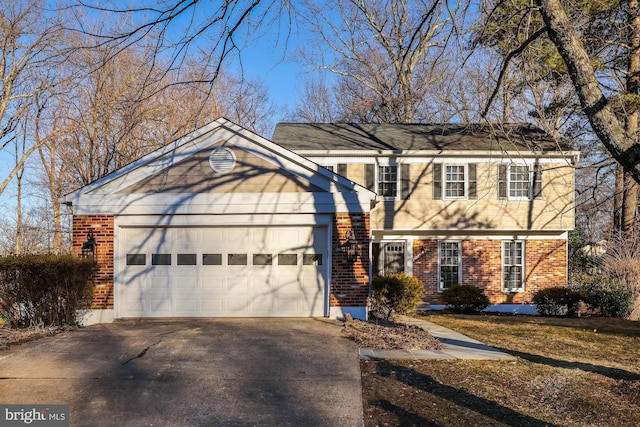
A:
(180, 178)
(249, 173)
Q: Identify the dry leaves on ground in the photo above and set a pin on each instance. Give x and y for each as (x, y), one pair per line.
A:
(10, 336)
(385, 336)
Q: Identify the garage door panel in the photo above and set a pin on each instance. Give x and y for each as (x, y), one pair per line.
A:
(201, 282)
(212, 305)
(189, 306)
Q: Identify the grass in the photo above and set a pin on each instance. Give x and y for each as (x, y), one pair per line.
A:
(568, 372)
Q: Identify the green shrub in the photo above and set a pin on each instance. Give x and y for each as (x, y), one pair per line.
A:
(395, 293)
(610, 297)
(44, 290)
(464, 299)
(557, 301)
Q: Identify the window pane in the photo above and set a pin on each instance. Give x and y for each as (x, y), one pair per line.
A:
(387, 181)
(288, 259)
(136, 259)
(161, 259)
(519, 181)
(262, 259)
(454, 181)
(513, 265)
(211, 259)
(312, 259)
(449, 264)
(448, 276)
(186, 259)
(237, 259)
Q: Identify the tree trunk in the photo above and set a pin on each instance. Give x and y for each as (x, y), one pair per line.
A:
(594, 104)
(630, 187)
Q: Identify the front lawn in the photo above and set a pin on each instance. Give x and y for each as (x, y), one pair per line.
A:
(569, 372)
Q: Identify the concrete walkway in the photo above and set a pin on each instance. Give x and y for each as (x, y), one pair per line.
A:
(458, 346)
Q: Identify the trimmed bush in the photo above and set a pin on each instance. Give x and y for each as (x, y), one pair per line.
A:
(557, 301)
(610, 297)
(464, 299)
(44, 290)
(395, 293)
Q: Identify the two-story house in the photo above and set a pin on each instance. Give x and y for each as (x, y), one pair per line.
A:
(456, 204)
(225, 223)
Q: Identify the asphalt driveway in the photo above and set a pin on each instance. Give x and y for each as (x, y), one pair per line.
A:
(195, 372)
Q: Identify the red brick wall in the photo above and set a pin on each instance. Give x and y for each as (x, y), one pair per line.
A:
(350, 281)
(545, 266)
(102, 226)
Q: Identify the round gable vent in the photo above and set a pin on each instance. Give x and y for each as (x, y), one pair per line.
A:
(222, 160)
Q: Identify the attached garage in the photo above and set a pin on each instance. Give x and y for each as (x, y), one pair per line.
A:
(224, 223)
(231, 271)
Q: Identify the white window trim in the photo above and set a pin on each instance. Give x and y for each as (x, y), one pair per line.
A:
(529, 196)
(444, 182)
(440, 288)
(377, 179)
(522, 287)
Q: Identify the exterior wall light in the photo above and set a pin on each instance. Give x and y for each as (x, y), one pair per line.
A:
(89, 247)
(351, 247)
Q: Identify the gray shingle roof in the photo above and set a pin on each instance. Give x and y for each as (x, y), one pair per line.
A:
(348, 136)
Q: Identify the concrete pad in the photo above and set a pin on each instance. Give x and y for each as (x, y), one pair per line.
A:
(196, 372)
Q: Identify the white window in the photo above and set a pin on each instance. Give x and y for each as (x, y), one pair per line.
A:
(513, 266)
(449, 264)
(454, 182)
(388, 181)
(519, 182)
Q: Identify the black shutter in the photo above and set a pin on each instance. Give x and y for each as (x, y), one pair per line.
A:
(375, 259)
(502, 181)
(437, 181)
(405, 183)
(473, 181)
(537, 181)
(342, 169)
(369, 176)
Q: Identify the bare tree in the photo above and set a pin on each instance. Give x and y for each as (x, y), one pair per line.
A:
(382, 51)
(27, 56)
(181, 29)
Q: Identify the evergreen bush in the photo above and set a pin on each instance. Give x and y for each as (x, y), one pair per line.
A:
(557, 301)
(464, 299)
(44, 290)
(395, 293)
(605, 295)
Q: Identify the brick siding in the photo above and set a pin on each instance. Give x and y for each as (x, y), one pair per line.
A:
(102, 227)
(545, 266)
(350, 281)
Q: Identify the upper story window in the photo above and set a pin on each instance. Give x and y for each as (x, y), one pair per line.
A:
(519, 182)
(454, 181)
(388, 181)
(391, 182)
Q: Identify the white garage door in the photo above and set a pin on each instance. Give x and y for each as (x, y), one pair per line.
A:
(222, 272)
